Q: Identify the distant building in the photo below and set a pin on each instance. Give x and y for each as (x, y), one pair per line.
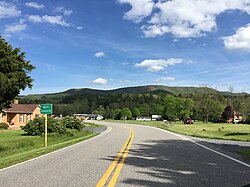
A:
(156, 117)
(20, 114)
(237, 118)
(143, 118)
(88, 116)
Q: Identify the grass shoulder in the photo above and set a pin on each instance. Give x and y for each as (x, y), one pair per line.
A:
(238, 132)
(16, 146)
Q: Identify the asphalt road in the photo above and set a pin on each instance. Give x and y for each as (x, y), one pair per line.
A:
(155, 158)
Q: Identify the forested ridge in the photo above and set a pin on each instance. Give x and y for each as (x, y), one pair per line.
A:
(172, 102)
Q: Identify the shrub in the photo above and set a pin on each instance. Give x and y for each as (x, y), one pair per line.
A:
(55, 126)
(247, 121)
(37, 127)
(72, 123)
(4, 126)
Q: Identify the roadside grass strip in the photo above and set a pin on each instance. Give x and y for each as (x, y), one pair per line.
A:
(117, 163)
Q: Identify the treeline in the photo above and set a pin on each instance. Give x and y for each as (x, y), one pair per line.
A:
(205, 106)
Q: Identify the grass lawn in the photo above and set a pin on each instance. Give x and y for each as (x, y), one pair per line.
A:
(239, 132)
(16, 147)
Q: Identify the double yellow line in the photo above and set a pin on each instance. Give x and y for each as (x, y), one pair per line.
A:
(123, 155)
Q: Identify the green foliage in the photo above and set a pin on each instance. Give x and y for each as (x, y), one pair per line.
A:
(100, 110)
(125, 114)
(37, 127)
(14, 71)
(207, 103)
(156, 109)
(145, 109)
(169, 111)
(4, 126)
(177, 108)
(118, 113)
(136, 113)
(112, 114)
(247, 121)
(207, 108)
(109, 113)
(15, 146)
(72, 123)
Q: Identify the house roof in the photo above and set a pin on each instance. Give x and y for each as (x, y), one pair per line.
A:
(22, 108)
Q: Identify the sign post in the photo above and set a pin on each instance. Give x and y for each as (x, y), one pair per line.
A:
(46, 109)
(46, 131)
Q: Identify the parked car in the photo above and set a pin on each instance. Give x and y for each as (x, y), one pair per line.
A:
(188, 121)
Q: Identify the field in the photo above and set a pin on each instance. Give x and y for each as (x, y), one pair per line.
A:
(238, 132)
(16, 147)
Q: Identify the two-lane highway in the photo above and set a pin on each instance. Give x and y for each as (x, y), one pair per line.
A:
(130, 155)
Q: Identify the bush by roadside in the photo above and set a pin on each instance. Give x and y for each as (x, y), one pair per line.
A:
(72, 123)
(37, 126)
(4, 126)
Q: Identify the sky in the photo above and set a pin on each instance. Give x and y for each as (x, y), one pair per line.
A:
(108, 44)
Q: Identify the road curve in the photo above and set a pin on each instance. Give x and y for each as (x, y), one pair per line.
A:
(155, 158)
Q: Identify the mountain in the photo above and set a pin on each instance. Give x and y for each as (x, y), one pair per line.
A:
(150, 89)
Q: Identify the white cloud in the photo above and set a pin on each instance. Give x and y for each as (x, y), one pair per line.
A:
(158, 65)
(99, 54)
(79, 28)
(163, 79)
(124, 81)
(183, 19)
(50, 67)
(8, 10)
(14, 28)
(139, 9)
(54, 20)
(64, 11)
(240, 40)
(100, 81)
(34, 5)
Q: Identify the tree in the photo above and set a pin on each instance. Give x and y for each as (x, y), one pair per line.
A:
(228, 114)
(145, 109)
(100, 111)
(136, 112)
(117, 114)
(184, 108)
(156, 109)
(14, 70)
(207, 108)
(112, 114)
(126, 114)
(177, 108)
(169, 110)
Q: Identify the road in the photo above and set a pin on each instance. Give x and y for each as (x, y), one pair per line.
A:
(151, 157)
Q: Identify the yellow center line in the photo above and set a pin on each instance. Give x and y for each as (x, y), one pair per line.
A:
(121, 163)
(108, 172)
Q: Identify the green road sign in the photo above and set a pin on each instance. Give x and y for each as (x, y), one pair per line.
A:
(46, 109)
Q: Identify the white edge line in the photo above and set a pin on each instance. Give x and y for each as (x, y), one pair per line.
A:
(30, 160)
(205, 147)
(217, 152)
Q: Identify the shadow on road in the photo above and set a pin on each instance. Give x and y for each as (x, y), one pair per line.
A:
(179, 163)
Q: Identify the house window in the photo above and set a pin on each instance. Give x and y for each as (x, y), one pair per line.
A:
(21, 118)
(28, 118)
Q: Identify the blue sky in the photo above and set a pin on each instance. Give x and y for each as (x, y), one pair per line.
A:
(119, 43)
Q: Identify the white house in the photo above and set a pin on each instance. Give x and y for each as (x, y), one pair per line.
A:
(156, 117)
(143, 118)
